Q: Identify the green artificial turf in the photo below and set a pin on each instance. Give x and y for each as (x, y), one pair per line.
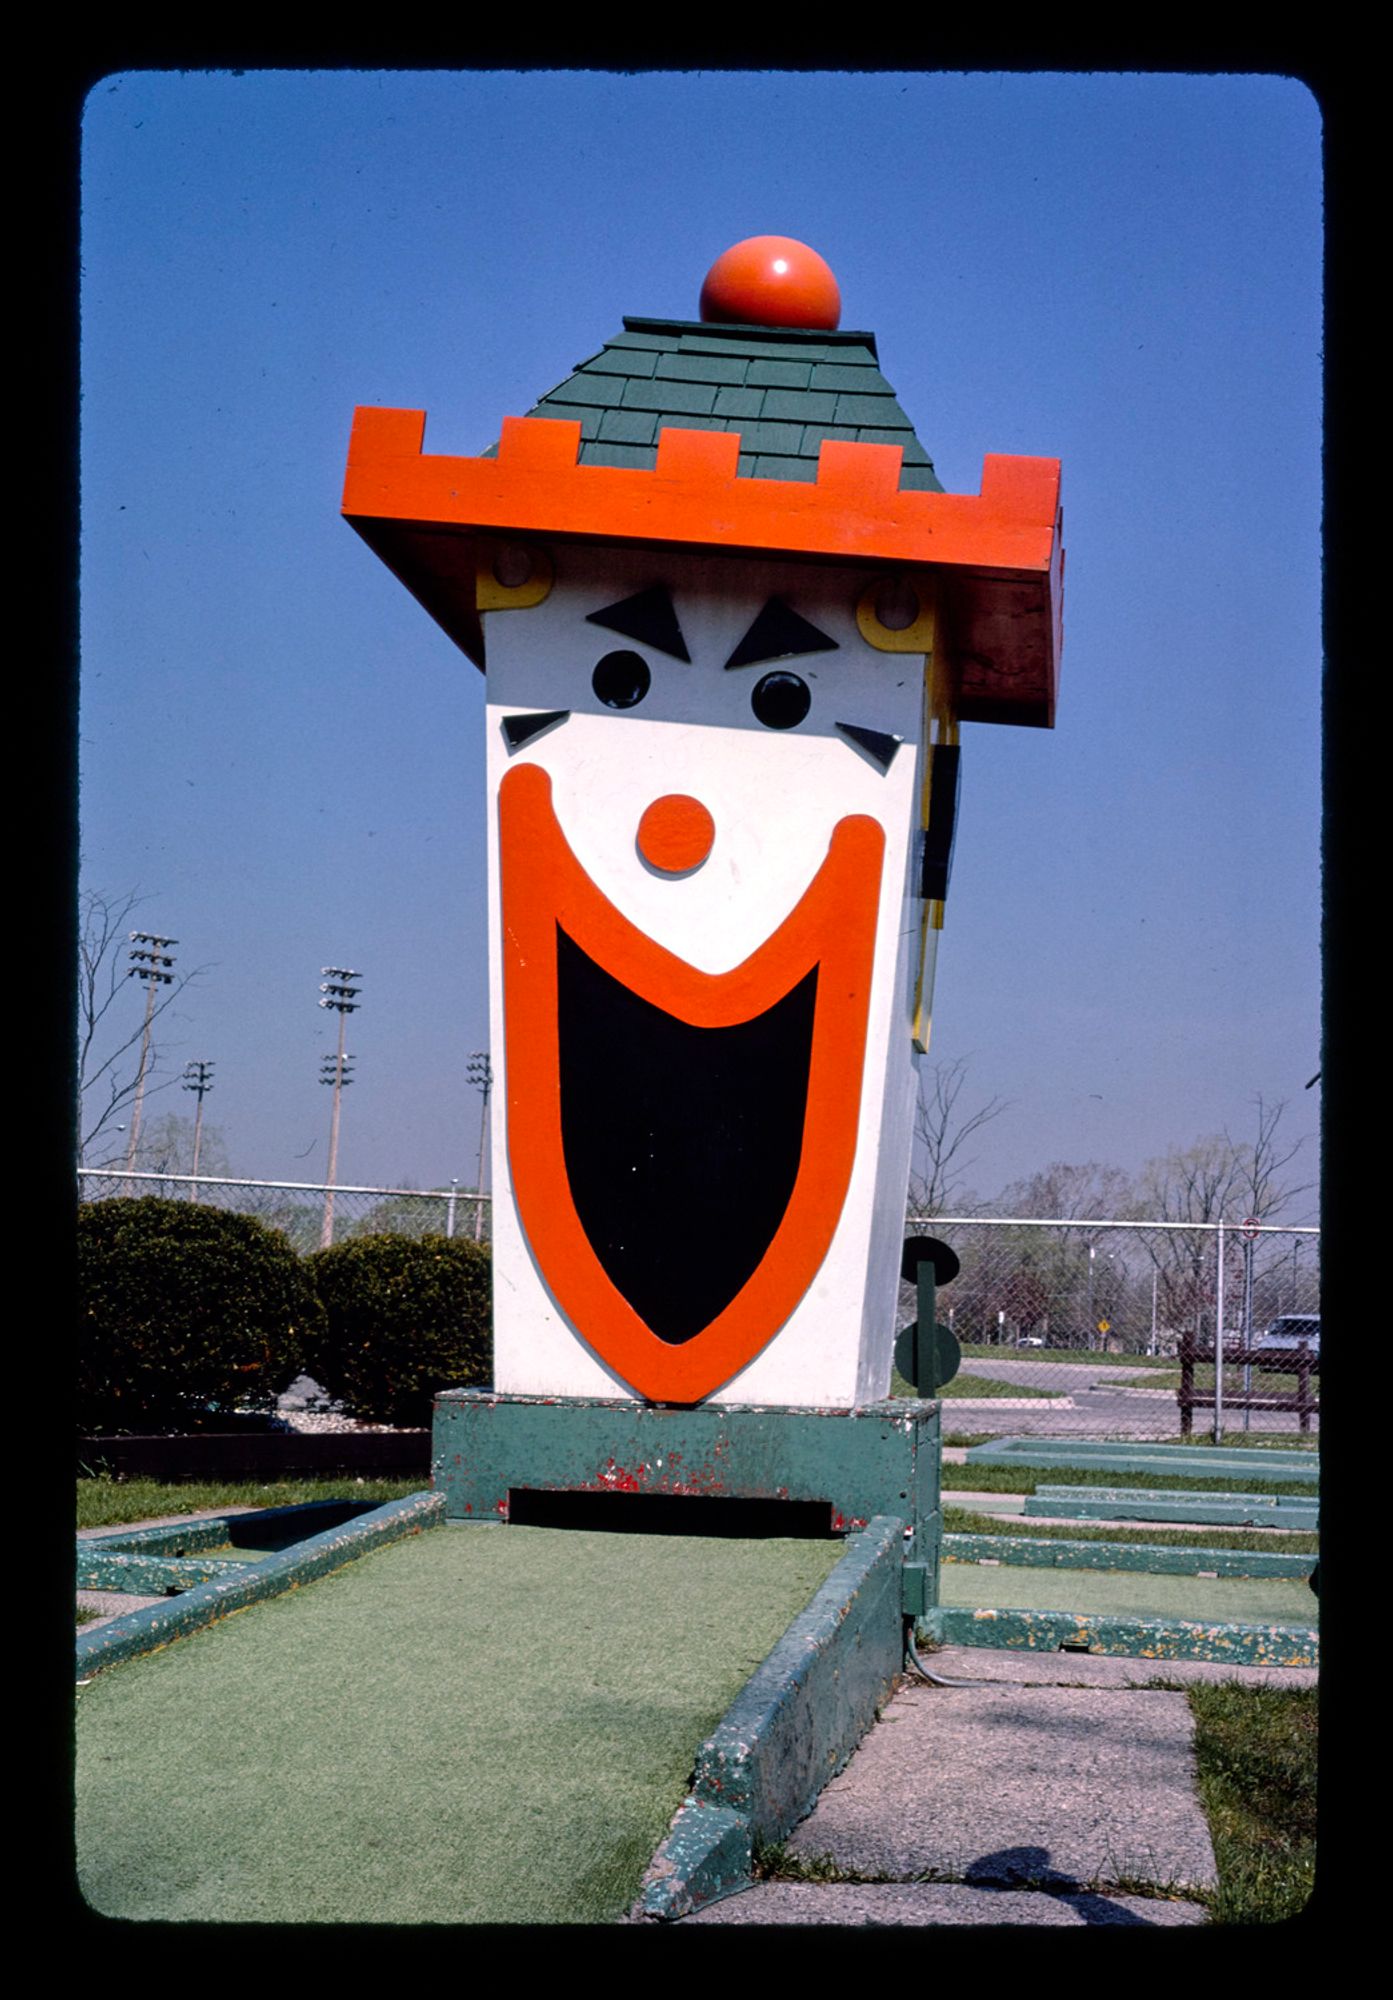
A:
(480, 1725)
(1128, 1594)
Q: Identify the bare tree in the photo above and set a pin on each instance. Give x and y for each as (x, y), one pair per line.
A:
(1219, 1179)
(107, 1050)
(1261, 1163)
(941, 1130)
(166, 1147)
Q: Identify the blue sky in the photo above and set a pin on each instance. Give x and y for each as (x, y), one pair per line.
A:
(285, 756)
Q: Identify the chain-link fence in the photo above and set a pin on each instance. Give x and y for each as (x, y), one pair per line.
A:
(1078, 1327)
(310, 1214)
(1109, 1328)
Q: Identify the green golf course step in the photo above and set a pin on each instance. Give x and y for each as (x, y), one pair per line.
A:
(1035, 1553)
(155, 1575)
(1101, 1503)
(1214, 1462)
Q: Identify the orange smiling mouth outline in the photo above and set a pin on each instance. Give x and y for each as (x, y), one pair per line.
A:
(831, 930)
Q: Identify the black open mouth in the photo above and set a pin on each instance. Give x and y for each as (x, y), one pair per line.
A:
(681, 1143)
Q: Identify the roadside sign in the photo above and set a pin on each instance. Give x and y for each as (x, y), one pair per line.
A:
(1105, 1326)
(1251, 1226)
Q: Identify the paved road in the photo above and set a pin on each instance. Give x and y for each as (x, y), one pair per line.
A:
(1109, 1398)
(1063, 1378)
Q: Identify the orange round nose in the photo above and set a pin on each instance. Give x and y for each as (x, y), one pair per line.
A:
(675, 833)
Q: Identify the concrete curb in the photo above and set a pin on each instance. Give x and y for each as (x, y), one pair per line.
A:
(1042, 1552)
(792, 1727)
(1144, 1638)
(146, 1631)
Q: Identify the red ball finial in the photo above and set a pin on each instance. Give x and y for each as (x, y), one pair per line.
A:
(771, 281)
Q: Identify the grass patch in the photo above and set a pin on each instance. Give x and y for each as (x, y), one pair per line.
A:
(111, 1503)
(977, 1386)
(1265, 1382)
(990, 1478)
(1062, 1357)
(1256, 1752)
(974, 1386)
(960, 1521)
(85, 1614)
(964, 1440)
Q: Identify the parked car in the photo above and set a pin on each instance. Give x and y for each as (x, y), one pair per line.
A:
(1293, 1331)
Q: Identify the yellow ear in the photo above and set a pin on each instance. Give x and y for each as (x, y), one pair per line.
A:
(897, 613)
(512, 576)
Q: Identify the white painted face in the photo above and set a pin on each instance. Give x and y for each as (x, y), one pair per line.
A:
(617, 724)
(774, 793)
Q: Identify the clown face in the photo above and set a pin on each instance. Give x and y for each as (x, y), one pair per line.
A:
(703, 786)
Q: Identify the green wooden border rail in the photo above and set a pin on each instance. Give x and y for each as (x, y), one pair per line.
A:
(790, 1729)
(1217, 1461)
(1042, 1552)
(1139, 1638)
(1147, 1503)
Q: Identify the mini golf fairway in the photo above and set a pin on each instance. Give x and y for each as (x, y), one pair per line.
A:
(479, 1725)
(1131, 1594)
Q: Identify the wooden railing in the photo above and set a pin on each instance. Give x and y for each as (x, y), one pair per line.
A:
(1298, 1361)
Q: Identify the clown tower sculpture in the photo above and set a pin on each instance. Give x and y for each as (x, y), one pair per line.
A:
(731, 625)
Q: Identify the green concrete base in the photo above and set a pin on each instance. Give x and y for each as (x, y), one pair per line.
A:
(1208, 1461)
(880, 1459)
(1140, 1638)
(791, 1729)
(146, 1630)
(1146, 1503)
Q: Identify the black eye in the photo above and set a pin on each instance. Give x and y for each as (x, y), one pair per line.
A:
(621, 679)
(780, 700)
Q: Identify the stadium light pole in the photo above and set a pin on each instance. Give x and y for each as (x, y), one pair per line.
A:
(197, 1076)
(340, 996)
(480, 1072)
(149, 961)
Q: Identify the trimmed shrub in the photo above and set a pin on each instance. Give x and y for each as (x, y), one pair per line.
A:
(184, 1313)
(404, 1316)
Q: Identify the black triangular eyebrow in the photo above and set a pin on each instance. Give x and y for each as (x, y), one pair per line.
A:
(779, 633)
(649, 617)
(878, 744)
(520, 729)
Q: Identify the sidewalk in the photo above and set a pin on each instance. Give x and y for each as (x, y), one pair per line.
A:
(1050, 1793)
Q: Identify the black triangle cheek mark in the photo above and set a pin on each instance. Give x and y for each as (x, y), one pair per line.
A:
(649, 617)
(878, 744)
(520, 729)
(779, 633)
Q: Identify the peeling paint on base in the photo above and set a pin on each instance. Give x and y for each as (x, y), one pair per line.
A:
(708, 1853)
(151, 1576)
(877, 1458)
(1141, 1638)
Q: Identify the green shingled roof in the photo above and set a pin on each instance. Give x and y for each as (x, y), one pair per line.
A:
(783, 389)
